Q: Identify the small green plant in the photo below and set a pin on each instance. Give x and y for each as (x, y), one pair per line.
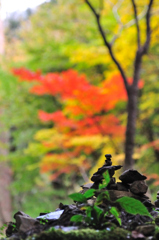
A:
(43, 221)
(2, 228)
(95, 215)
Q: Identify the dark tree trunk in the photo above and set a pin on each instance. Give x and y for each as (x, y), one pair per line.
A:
(132, 92)
(130, 128)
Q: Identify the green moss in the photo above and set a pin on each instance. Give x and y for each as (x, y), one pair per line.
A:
(82, 234)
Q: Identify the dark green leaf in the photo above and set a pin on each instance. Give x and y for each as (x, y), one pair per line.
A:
(114, 211)
(78, 197)
(98, 211)
(88, 211)
(89, 193)
(106, 177)
(105, 181)
(76, 218)
(101, 197)
(133, 206)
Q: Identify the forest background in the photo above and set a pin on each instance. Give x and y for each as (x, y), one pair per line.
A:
(64, 104)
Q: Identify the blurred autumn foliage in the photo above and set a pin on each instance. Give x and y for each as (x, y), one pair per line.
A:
(85, 116)
(63, 118)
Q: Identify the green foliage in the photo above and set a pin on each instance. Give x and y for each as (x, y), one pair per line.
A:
(133, 206)
(78, 197)
(77, 218)
(95, 216)
(2, 228)
(19, 119)
(116, 214)
(89, 193)
(106, 180)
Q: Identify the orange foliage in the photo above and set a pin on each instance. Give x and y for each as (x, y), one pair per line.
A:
(155, 177)
(86, 111)
(154, 144)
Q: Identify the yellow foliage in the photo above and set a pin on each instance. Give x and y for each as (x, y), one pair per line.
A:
(125, 30)
(62, 161)
(51, 138)
(90, 54)
(45, 134)
(93, 141)
(36, 149)
(148, 104)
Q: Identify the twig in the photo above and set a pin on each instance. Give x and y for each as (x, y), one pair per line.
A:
(140, 16)
(148, 29)
(144, 48)
(137, 23)
(115, 9)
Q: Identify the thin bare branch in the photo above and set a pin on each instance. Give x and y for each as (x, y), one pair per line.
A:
(129, 24)
(137, 23)
(144, 48)
(115, 11)
(140, 16)
(108, 45)
(116, 36)
(148, 29)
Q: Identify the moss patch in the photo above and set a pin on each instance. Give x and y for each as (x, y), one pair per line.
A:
(82, 234)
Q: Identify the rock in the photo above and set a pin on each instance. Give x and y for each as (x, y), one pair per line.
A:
(96, 185)
(154, 213)
(112, 186)
(157, 220)
(108, 161)
(143, 197)
(122, 187)
(62, 206)
(69, 211)
(51, 216)
(129, 176)
(146, 230)
(87, 186)
(11, 229)
(138, 187)
(137, 235)
(157, 203)
(24, 224)
(132, 185)
(98, 175)
(20, 213)
(111, 169)
(147, 203)
(115, 194)
(91, 201)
